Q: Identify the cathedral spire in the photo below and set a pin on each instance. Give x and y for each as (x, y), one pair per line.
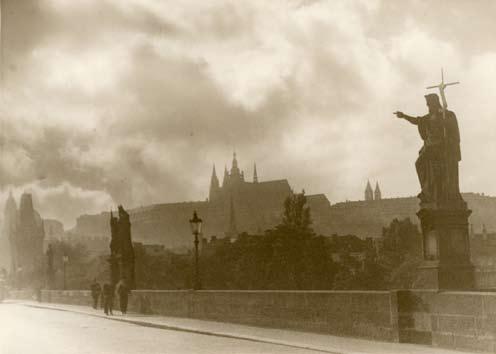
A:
(255, 176)
(11, 201)
(369, 194)
(235, 172)
(10, 224)
(377, 192)
(214, 185)
(225, 180)
(234, 161)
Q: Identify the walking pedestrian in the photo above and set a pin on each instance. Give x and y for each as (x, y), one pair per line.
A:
(96, 290)
(108, 298)
(123, 291)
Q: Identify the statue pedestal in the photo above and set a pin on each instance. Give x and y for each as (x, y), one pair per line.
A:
(446, 244)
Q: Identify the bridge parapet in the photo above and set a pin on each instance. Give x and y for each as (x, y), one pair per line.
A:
(456, 320)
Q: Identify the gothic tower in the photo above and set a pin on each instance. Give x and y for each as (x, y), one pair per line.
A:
(377, 192)
(214, 186)
(235, 175)
(9, 230)
(255, 176)
(225, 180)
(369, 194)
(29, 241)
(115, 243)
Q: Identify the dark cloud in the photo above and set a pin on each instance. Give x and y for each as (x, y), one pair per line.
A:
(125, 102)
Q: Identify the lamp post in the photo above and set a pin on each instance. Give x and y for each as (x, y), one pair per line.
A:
(49, 254)
(65, 260)
(196, 224)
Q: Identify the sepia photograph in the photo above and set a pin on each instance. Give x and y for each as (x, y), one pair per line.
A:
(247, 177)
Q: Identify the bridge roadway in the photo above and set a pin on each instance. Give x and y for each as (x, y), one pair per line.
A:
(29, 327)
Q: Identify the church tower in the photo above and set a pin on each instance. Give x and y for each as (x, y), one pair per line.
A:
(225, 180)
(9, 229)
(369, 194)
(214, 186)
(377, 192)
(255, 176)
(29, 240)
(235, 175)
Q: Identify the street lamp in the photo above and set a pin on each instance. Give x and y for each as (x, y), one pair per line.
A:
(196, 224)
(49, 254)
(65, 260)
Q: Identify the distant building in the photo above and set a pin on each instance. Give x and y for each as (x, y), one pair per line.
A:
(151, 250)
(9, 233)
(53, 228)
(367, 218)
(377, 192)
(234, 206)
(369, 194)
(483, 249)
(29, 235)
(24, 229)
(95, 245)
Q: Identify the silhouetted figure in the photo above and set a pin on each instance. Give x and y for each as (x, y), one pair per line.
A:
(96, 290)
(108, 298)
(123, 291)
(437, 164)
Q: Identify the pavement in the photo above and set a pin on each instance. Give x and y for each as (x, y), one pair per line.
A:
(240, 338)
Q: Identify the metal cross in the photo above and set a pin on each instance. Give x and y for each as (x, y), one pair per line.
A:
(441, 88)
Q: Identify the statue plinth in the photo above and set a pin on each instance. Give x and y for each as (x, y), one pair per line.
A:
(446, 247)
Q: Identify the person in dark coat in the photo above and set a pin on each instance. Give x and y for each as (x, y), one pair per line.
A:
(123, 291)
(108, 298)
(96, 290)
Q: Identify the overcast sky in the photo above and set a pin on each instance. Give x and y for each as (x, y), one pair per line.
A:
(132, 101)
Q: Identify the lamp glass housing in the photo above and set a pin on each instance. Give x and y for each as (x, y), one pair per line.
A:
(196, 224)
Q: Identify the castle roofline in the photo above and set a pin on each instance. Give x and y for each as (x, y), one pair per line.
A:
(316, 196)
(274, 181)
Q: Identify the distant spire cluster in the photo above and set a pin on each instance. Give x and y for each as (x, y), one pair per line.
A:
(232, 177)
(234, 188)
(372, 194)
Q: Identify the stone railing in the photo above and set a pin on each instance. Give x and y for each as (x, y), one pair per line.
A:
(457, 320)
(460, 320)
(370, 314)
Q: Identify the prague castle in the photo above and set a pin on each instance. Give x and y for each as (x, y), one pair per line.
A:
(237, 205)
(233, 206)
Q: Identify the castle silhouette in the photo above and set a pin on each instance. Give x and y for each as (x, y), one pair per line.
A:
(239, 205)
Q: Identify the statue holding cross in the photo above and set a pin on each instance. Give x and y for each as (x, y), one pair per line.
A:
(437, 164)
(443, 213)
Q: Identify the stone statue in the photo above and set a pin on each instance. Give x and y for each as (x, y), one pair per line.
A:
(437, 164)
(121, 249)
(443, 214)
(115, 252)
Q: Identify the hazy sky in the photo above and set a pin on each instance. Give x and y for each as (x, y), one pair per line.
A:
(132, 101)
